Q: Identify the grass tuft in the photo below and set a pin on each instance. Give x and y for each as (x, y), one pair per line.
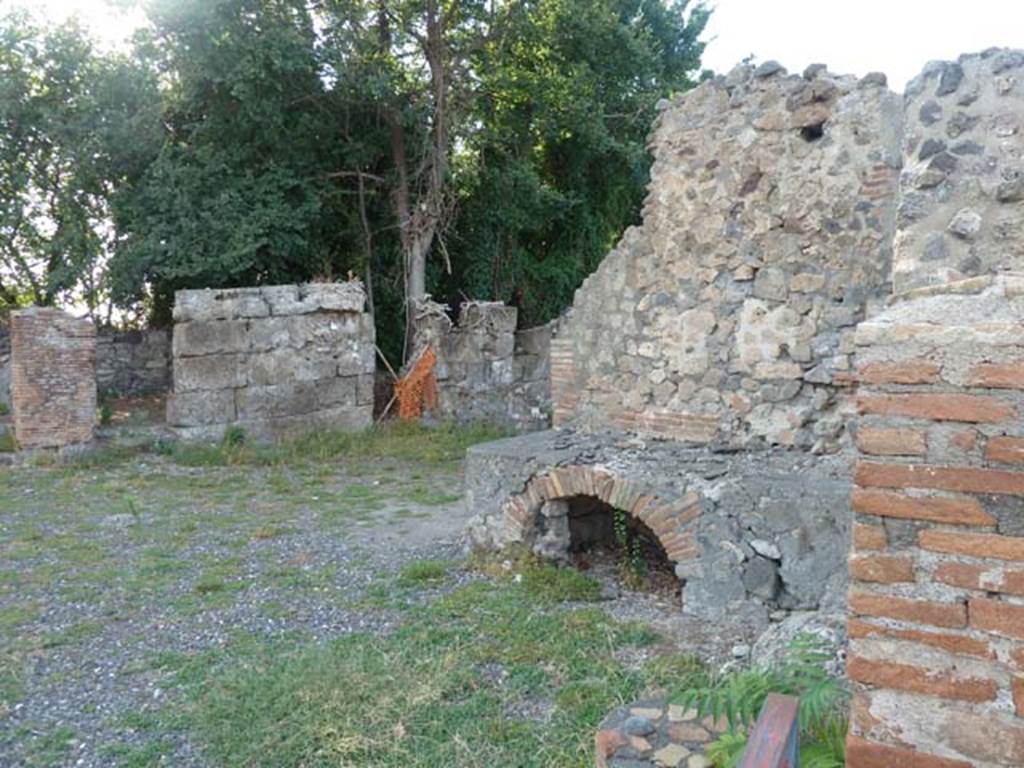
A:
(423, 572)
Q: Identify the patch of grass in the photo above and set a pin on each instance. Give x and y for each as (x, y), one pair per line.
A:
(8, 443)
(423, 572)
(12, 617)
(425, 695)
(400, 441)
(73, 635)
(51, 748)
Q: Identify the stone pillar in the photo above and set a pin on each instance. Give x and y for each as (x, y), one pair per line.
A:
(936, 603)
(53, 372)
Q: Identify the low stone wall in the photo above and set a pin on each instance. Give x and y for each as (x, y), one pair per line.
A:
(132, 363)
(272, 359)
(53, 367)
(486, 369)
(751, 535)
(937, 602)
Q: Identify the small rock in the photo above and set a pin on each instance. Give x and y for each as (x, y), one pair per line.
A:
(769, 68)
(1011, 190)
(698, 761)
(934, 247)
(636, 725)
(930, 113)
(771, 283)
(766, 548)
(944, 162)
(950, 79)
(874, 78)
(677, 714)
(652, 713)
(689, 732)
(813, 70)
(930, 147)
(671, 755)
(761, 577)
(740, 651)
(967, 148)
(965, 224)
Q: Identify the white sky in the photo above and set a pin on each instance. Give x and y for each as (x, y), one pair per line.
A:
(856, 36)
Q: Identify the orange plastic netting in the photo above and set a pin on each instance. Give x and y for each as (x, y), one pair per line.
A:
(417, 390)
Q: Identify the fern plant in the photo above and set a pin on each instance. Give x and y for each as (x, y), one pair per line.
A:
(739, 694)
(633, 566)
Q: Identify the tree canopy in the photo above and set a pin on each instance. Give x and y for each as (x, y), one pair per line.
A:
(479, 148)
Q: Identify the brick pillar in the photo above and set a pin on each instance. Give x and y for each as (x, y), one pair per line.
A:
(936, 604)
(53, 381)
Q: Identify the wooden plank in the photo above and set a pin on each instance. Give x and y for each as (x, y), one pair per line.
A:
(775, 740)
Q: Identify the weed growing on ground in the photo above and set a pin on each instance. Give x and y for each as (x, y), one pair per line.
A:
(508, 673)
(739, 694)
(423, 572)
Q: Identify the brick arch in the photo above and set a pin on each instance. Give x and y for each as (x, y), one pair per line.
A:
(672, 520)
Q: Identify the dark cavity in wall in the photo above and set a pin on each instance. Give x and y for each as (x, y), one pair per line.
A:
(599, 535)
(813, 132)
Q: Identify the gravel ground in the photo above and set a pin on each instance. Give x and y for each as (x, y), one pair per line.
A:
(84, 639)
(106, 573)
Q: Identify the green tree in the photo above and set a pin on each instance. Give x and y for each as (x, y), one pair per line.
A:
(483, 148)
(239, 192)
(565, 108)
(57, 147)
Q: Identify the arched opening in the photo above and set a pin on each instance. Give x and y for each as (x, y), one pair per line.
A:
(615, 545)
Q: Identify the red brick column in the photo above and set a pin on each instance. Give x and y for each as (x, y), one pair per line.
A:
(936, 599)
(53, 387)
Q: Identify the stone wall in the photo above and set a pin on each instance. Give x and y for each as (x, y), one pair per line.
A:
(53, 373)
(486, 369)
(132, 363)
(727, 317)
(272, 359)
(963, 176)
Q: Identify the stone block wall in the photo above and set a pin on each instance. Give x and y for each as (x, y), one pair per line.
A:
(937, 598)
(727, 317)
(132, 363)
(53, 374)
(486, 369)
(272, 359)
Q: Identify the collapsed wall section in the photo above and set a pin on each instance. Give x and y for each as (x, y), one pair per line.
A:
(53, 378)
(727, 316)
(486, 369)
(272, 359)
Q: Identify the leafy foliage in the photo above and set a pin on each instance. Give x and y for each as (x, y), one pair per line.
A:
(739, 694)
(247, 142)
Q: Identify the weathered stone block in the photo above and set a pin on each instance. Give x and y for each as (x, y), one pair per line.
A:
(201, 408)
(210, 337)
(210, 372)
